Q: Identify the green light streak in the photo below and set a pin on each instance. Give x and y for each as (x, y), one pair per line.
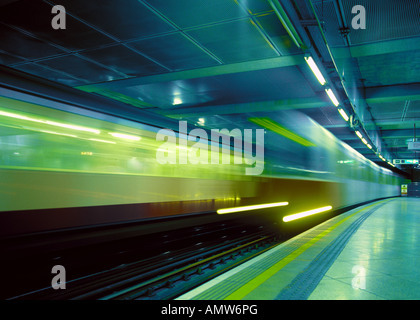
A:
(279, 129)
(48, 122)
(124, 136)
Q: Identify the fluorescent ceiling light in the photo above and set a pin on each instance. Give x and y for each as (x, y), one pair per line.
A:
(315, 70)
(332, 97)
(359, 134)
(305, 213)
(177, 101)
(369, 146)
(343, 114)
(364, 141)
(252, 207)
(124, 136)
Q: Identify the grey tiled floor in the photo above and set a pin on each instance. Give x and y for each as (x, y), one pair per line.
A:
(380, 261)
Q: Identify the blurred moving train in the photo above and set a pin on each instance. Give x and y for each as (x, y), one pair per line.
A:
(61, 170)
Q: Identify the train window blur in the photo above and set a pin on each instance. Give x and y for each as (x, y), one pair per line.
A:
(88, 161)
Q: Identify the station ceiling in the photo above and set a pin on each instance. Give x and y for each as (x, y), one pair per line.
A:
(217, 63)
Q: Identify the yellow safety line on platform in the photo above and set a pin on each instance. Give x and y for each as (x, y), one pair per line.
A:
(264, 276)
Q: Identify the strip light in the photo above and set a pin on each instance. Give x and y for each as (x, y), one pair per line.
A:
(252, 207)
(305, 213)
(332, 97)
(343, 114)
(364, 141)
(310, 61)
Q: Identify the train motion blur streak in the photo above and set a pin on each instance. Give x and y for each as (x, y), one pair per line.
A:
(54, 165)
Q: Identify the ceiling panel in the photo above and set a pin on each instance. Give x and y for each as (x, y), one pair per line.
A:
(35, 17)
(50, 74)
(387, 110)
(192, 13)
(124, 19)
(385, 20)
(234, 41)
(326, 12)
(271, 24)
(256, 6)
(413, 111)
(392, 68)
(7, 59)
(124, 60)
(18, 44)
(82, 69)
(175, 51)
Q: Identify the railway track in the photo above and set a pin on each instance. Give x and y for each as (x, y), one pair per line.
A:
(211, 251)
(176, 282)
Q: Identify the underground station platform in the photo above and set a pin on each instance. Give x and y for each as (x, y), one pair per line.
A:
(368, 253)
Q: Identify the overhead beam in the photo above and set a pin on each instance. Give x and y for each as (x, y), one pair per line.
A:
(263, 106)
(385, 47)
(348, 137)
(263, 64)
(377, 48)
(395, 134)
(400, 147)
(390, 124)
(393, 93)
